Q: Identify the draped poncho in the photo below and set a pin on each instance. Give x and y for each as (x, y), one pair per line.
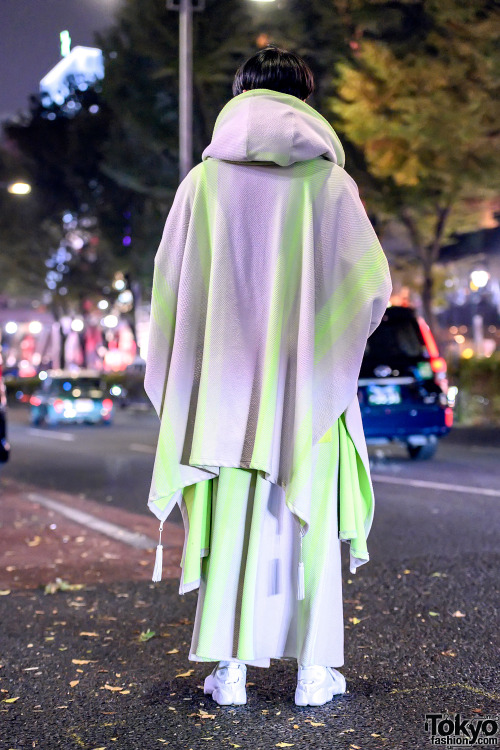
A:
(268, 280)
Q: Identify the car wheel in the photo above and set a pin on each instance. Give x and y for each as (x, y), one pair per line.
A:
(422, 452)
(40, 418)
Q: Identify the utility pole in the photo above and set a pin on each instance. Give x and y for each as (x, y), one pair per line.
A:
(185, 9)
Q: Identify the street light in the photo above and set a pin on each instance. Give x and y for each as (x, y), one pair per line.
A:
(479, 278)
(19, 188)
(185, 9)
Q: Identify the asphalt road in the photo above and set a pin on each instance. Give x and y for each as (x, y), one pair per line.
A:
(421, 633)
(113, 465)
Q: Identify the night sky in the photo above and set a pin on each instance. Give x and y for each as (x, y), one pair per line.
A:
(30, 41)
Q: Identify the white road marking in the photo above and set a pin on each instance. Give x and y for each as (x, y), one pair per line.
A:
(436, 485)
(140, 448)
(65, 436)
(132, 538)
(483, 449)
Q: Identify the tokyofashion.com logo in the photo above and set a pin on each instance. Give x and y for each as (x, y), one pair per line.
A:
(454, 731)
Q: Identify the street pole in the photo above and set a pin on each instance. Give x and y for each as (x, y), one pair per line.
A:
(185, 9)
(185, 87)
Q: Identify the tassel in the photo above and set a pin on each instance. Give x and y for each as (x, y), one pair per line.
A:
(300, 572)
(159, 559)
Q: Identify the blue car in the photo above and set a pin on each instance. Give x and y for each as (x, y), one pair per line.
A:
(402, 387)
(68, 398)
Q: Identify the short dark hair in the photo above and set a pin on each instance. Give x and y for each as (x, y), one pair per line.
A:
(276, 69)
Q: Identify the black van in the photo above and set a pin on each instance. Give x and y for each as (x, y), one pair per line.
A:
(4, 445)
(402, 387)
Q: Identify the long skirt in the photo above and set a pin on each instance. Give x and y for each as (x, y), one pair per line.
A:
(247, 607)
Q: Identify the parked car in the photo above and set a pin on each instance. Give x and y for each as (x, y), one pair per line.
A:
(402, 387)
(66, 397)
(4, 445)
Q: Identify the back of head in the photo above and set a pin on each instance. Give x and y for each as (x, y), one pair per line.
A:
(275, 69)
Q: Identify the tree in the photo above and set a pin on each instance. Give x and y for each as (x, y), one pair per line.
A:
(422, 107)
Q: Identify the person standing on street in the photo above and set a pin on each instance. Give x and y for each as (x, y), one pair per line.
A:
(267, 283)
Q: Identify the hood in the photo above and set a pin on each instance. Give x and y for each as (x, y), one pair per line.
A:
(261, 125)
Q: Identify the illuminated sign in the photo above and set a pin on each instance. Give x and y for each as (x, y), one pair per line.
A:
(65, 40)
(81, 67)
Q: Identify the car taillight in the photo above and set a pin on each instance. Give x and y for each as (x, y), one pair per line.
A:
(58, 405)
(438, 364)
(428, 339)
(107, 404)
(35, 401)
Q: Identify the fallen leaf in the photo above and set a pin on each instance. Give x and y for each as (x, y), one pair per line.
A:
(74, 682)
(61, 585)
(110, 687)
(185, 674)
(314, 723)
(354, 620)
(34, 542)
(439, 575)
(205, 715)
(173, 651)
(85, 632)
(285, 744)
(84, 661)
(145, 636)
(4, 592)
(458, 614)
(448, 653)
(125, 692)
(10, 700)
(406, 571)
(434, 614)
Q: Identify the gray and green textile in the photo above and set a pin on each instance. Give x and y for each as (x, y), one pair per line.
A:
(268, 280)
(247, 608)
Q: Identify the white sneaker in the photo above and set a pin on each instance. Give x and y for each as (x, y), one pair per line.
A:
(317, 685)
(226, 683)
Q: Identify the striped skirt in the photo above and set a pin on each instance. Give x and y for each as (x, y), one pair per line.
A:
(246, 564)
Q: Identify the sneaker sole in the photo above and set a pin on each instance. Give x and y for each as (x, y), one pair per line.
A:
(320, 697)
(221, 697)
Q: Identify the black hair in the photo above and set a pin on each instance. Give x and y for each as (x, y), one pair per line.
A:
(276, 69)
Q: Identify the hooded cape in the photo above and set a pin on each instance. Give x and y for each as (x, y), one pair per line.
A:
(268, 280)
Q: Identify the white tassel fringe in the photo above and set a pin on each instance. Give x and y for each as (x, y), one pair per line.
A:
(300, 582)
(300, 572)
(159, 559)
